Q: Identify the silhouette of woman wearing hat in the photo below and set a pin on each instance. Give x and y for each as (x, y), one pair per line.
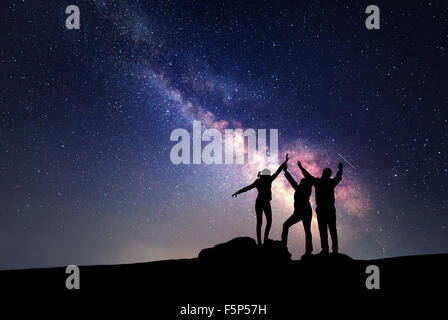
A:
(263, 202)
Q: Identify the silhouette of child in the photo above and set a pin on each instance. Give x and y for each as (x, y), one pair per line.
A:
(302, 210)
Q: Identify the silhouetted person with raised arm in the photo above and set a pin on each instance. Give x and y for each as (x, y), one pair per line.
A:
(302, 210)
(325, 210)
(263, 202)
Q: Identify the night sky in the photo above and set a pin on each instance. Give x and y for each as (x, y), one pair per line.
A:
(86, 116)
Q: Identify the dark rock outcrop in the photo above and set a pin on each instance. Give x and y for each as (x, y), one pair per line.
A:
(245, 250)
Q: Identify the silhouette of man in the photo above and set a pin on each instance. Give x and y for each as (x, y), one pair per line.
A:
(263, 202)
(302, 210)
(325, 210)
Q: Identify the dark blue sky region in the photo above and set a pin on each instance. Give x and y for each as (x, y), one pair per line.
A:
(86, 115)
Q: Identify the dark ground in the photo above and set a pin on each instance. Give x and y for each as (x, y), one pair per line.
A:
(238, 272)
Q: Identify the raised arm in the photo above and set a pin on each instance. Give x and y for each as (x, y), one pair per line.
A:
(282, 166)
(305, 173)
(249, 187)
(338, 176)
(291, 180)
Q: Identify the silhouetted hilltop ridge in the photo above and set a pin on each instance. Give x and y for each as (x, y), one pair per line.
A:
(238, 271)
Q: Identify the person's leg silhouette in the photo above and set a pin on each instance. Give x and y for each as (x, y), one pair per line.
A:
(322, 222)
(307, 228)
(333, 230)
(259, 213)
(268, 213)
(288, 223)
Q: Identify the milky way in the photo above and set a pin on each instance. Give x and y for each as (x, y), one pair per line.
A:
(86, 176)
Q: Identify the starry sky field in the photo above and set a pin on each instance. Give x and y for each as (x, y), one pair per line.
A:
(86, 116)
